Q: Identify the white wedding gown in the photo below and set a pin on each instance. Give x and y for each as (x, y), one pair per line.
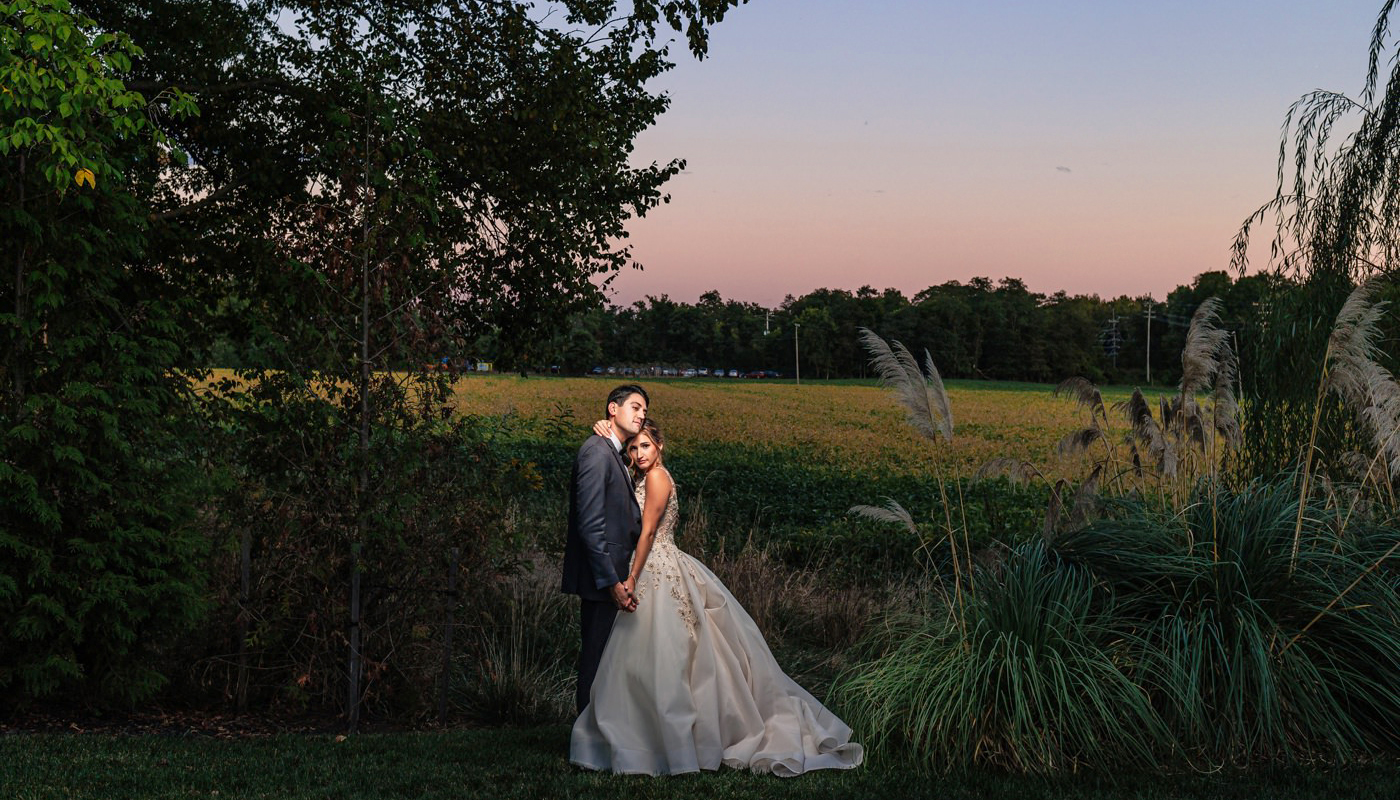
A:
(687, 682)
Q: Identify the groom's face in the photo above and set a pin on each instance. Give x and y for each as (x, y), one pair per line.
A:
(627, 416)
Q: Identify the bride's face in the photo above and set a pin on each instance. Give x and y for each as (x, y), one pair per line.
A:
(644, 452)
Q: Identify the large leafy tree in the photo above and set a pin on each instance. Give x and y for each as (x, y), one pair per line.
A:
(455, 168)
(516, 119)
(97, 558)
(367, 184)
(1336, 221)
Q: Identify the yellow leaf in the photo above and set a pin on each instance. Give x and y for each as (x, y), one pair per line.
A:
(85, 175)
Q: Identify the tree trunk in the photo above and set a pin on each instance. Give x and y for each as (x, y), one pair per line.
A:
(362, 481)
(17, 367)
(446, 679)
(245, 554)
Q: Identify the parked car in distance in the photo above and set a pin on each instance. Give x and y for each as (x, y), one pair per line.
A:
(702, 371)
(596, 371)
(755, 373)
(733, 373)
(688, 372)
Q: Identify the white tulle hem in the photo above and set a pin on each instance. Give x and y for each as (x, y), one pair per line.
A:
(673, 698)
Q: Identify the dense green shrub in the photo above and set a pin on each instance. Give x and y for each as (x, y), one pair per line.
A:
(1027, 673)
(1252, 652)
(292, 500)
(1153, 637)
(98, 451)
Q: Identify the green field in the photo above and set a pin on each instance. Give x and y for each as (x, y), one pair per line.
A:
(852, 423)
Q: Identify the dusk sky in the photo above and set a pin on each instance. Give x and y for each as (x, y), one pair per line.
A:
(1096, 147)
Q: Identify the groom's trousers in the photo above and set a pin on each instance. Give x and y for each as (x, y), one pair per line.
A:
(595, 623)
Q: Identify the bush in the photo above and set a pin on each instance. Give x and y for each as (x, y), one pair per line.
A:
(293, 515)
(1251, 652)
(1027, 675)
(520, 668)
(99, 478)
(1153, 638)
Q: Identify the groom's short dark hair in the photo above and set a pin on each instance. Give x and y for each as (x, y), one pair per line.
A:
(621, 393)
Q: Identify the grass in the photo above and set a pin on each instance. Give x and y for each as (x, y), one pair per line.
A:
(530, 763)
(850, 424)
(1151, 638)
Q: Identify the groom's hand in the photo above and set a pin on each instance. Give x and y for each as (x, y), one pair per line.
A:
(623, 598)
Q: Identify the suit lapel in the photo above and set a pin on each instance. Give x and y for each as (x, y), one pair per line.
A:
(627, 476)
(621, 463)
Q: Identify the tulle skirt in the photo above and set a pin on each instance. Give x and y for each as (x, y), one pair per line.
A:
(685, 686)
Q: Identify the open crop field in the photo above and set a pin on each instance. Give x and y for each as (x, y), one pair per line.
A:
(851, 424)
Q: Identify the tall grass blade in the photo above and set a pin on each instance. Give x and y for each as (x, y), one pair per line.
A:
(890, 512)
(923, 396)
(1200, 358)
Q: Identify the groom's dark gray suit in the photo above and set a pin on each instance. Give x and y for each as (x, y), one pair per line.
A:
(604, 525)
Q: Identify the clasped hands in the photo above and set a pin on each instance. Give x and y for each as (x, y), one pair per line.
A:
(624, 595)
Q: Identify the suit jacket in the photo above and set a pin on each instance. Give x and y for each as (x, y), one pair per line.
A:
(604, 521)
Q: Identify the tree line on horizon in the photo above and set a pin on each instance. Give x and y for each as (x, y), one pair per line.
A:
(980, 329)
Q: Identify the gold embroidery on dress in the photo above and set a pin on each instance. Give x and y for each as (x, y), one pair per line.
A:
(664, 562)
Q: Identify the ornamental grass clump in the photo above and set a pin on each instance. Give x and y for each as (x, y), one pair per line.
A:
(1190, 624)
(1247, 654)
(1031, 676)
(520, 669)
(1166, 452)
(1151, 639)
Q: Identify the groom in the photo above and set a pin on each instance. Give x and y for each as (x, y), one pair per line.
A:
(604, 523)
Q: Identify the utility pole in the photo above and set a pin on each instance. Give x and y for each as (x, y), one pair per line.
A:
(796, 356)
(766, 315)
(1149, 340)
(1111, 339)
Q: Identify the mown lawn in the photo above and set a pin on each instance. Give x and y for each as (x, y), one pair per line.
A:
(504, 764)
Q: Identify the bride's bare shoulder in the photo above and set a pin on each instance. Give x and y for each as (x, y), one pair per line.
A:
(658, 480)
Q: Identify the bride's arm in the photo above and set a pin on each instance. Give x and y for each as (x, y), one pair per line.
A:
(658, 493)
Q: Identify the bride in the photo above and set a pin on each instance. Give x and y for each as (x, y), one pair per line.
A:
(687, 682)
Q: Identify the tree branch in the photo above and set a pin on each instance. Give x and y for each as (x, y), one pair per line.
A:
(156, 87)
(212, 197)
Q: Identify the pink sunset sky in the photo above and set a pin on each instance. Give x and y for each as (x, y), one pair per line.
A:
(1109, 147)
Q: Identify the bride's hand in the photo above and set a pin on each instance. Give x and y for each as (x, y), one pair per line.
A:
(602, 427)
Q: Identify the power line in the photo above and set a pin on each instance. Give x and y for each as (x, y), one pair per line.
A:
(1111, 339)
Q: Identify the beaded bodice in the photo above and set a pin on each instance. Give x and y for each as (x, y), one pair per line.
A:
(666, 531)
(665, 563)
